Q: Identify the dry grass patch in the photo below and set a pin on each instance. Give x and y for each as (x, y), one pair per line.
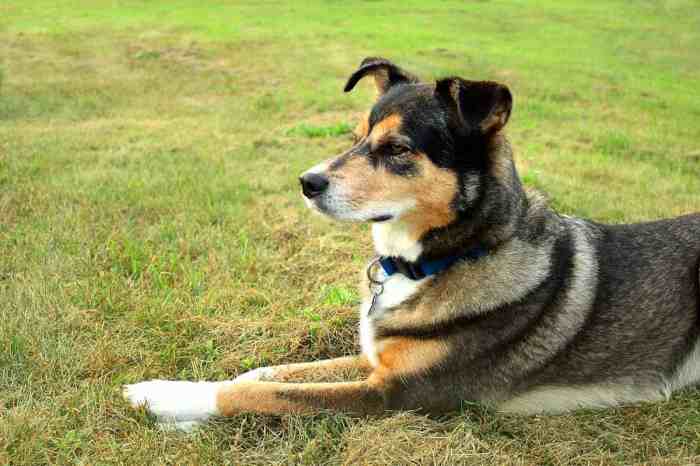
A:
(151, 227)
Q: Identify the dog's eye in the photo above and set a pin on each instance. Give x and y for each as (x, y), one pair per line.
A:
(395, 149)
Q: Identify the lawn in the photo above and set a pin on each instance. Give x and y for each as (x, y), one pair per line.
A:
(151, 224)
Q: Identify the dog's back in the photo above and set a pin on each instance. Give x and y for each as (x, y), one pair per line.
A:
(641, 333)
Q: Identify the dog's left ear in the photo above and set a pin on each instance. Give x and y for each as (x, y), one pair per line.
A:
(385, 74)
(484, 106)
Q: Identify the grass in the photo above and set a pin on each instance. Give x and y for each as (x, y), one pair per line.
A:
(151, 226)
(316, 131)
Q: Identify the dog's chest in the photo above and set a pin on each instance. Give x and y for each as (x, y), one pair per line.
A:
(397, 289)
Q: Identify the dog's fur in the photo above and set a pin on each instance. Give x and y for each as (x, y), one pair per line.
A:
(561, 313)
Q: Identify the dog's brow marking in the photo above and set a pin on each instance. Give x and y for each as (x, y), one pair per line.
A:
(388, 124)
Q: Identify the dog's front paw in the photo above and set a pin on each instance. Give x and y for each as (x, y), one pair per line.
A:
(261, 374)
(176, 405)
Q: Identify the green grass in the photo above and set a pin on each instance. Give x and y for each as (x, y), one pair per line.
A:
(316, 131)
(151, 225)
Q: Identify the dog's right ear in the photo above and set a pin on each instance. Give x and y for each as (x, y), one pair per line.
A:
(385, 74)
(483, 106)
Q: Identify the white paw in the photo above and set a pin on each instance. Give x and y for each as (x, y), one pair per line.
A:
(176, 405)
(260, 374)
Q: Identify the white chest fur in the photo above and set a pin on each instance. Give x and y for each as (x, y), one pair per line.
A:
(393, 239)
(397, 289)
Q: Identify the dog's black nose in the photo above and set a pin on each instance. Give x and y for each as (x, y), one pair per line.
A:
(313, 184)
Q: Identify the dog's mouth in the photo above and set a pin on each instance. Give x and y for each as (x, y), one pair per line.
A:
(381, 218)
(324, 209)
(338, 206)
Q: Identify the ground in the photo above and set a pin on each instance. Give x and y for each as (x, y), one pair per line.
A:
(151, 224)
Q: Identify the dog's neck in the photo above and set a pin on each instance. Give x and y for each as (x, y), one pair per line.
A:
(485, 224)
(393, 239)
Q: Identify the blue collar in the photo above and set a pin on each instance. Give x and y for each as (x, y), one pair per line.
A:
(422, 269)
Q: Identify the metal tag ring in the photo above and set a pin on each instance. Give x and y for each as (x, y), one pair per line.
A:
(372, 281)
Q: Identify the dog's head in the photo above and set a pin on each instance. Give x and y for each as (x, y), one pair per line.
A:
(419, 155)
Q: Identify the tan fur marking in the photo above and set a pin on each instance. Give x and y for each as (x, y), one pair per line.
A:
(402, 356)
(389, 124)
(433, 193)
(329, 370)
(280, 398)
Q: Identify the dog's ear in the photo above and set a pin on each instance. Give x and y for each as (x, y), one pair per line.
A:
(483, 106)
(385, 74)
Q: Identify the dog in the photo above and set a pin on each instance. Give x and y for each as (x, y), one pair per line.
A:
(480, 292)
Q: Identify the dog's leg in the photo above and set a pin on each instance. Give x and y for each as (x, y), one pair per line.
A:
(278, 398)
(184, 405)
(328, 370)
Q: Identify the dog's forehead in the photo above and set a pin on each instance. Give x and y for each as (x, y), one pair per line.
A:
(413, 103)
